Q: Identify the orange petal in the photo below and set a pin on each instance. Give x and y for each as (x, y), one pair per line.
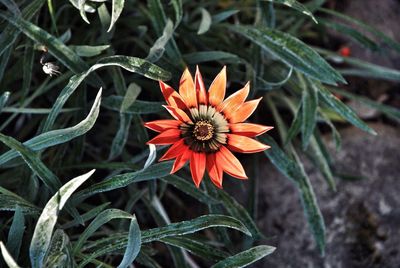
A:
(245, 144)
(200, 89)
(171, 96)
(234, 101)
(214, 171)
(167, 137)
(176, 149)
(197, 167)
(187, 90)
(161, 125)
(247, 129)
(181, 160)
(244, 111)
(229, 163)
(216, 93)
(178, 114)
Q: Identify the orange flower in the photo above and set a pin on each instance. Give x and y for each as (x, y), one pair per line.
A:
(207, 128)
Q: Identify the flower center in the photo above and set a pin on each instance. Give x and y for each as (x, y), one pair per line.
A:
(203, 130)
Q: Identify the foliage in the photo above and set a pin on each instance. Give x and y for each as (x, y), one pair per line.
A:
(89, 117)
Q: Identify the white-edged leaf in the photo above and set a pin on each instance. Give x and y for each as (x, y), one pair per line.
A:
(117, 7)
(152, 156)
(134, 244)
(7, 257)
(58, 136)
(245, 258)
(47, 220)
(205, 22)
(297, 6)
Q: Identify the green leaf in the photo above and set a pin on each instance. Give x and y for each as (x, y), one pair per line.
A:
(16, 233)
(351, 33)
(189, 189)
(7, 257)
(10, 34)
(205, 56)
(192, 226)
(158, 48)
(34, 163)
(217, 18)
(60, 51)
(295, 126)
(390, 111)
(89, 51)
(205, 22)
(138, 107)
(87, 216)
(245, 258)
(322, 162)
(3, 100)
(309, 113)
(133, 246)
(178, 7)
(117, 7)
(291, 51)
(343, 110)
(196, 247)
(10, 201)
(382, 36)
(58, 136)
(82, 11)
(119, 181)
(295, 172)
(297, 6)
(237, 211)
(131, 95)
(47, 220)
(101, 219)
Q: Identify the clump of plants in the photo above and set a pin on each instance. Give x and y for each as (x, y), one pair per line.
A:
(80, 180)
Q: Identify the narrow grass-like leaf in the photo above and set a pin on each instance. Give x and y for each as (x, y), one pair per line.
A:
(178, 7)
(292, 51)
(47, 220)
(382, 36)
(205, 22)
(297, 6)
(196, 247)
(152, 156)
(133, 246)
(192, 226)
(157, 50)
(87, 216)
(237, 211)
(131, 95)
(309, 113)
(3, 100)
(138, 107)
(63, 53)
(58, 136)
(322, 163)
(351, 33)
(390, 111)
(121, 137)
(189, 189)
(295, 126)
(343, 110)
(156, 171)
(33, 161)
(82, 11)
(7, 257)
(16, 233)
(10, 201)
(245, 258)
(89, 51)
(217, 18)
(204, 56)
(117, 7)
(295, 172)
(10, 34)
(101, 219)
